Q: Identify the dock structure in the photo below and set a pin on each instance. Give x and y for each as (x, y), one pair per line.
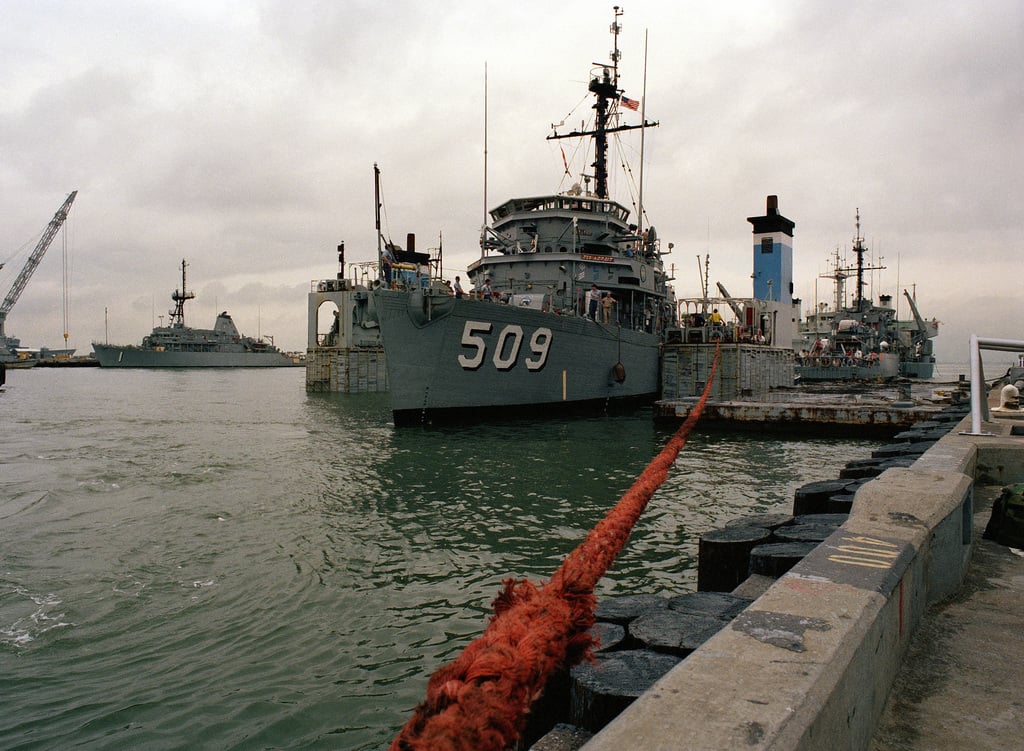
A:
(870, 409)
(796, 415)
(812, 661)
(344, 352)
(348, 370)
(745, 371)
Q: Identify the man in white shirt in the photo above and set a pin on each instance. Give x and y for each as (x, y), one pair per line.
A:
(593, 300)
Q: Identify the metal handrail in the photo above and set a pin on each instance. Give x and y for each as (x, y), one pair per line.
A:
(979, 399)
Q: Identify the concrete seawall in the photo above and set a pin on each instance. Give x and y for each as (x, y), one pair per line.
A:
(810, 664)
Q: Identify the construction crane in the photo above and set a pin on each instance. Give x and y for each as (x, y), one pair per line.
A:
(30, 266)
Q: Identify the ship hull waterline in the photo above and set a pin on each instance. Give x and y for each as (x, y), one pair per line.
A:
(137, 357)
(453, 360)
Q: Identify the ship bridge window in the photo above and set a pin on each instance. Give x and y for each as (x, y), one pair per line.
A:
(530, 204)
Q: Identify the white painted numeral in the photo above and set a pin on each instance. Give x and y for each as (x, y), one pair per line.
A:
(502, 361)
(507, 346)
(540, 343)
(470, 339)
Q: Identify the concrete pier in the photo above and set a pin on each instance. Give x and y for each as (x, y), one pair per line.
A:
(796, 415)
(812, 662)
(960, 686)
(858, 409)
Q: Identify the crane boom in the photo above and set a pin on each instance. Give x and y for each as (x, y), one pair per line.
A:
(737, 309)
(33, 260)
(922, 327)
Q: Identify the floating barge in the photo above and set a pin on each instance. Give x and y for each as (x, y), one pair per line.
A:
(872, 409)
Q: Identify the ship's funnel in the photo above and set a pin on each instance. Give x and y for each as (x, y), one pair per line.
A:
(773, 254)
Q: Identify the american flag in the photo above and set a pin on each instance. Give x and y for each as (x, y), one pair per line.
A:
(628, 103)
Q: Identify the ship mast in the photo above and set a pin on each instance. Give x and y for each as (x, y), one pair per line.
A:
(605, 87)
(178, 314)
(839, 275)
(860, 250)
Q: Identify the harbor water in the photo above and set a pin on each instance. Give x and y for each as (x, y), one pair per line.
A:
(218, 560)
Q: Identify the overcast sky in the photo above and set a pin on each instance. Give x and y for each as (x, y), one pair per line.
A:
(241, 136)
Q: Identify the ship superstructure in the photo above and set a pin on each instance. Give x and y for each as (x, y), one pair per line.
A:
(568, 305)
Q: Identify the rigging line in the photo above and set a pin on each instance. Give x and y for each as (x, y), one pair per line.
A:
(65, 284)
(386, 229)
(584, 98)
(628, 171)
(571, 159)
(23, 248)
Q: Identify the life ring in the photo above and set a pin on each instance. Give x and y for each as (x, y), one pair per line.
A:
(643, 273)
(835, 363)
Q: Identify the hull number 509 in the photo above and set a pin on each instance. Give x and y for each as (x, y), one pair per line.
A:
(506, 346)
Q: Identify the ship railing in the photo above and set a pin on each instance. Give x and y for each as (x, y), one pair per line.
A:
(837, 360)
(628, 311)
(327, 285)
(979, 397)
(359, 274)
(741, 321)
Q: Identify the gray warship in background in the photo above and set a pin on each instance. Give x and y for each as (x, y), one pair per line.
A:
(180, 346)
(863, 341)
(525, 338)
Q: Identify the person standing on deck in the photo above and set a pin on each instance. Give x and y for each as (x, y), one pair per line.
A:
(386, 261)
(717, 324)
(459, 292)
(607, 303)
(593, 299)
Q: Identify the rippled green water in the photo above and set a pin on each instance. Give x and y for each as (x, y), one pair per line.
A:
(218, 560)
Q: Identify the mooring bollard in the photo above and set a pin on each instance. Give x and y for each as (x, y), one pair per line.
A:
(724, 556)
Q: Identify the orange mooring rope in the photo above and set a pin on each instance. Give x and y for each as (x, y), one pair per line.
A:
(479, 701)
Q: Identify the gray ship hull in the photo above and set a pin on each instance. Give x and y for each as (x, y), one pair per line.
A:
(920, 369)
(830, 368)
(449, 358)
(113, 356)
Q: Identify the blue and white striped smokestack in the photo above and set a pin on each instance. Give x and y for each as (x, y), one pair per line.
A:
(773, 254)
